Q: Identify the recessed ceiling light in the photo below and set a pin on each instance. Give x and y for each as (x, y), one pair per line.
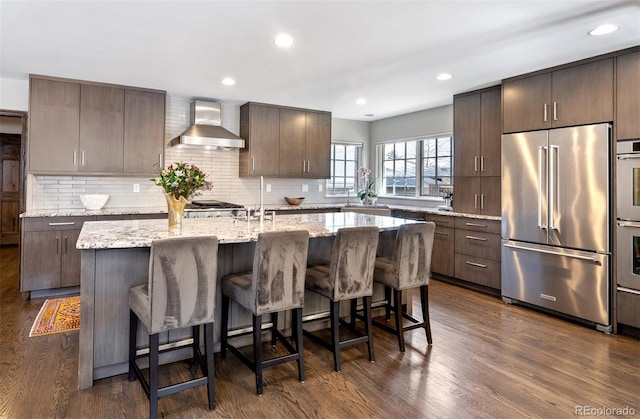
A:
(603, 29)
(444, 76)
(361, 101)
(228, 81)
(283, 40)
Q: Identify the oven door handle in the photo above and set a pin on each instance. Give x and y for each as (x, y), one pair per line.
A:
(628, 156)
(628, 224)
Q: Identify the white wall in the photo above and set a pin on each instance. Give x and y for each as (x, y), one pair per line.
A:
(14, 94)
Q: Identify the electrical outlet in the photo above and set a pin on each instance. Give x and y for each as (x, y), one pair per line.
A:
(136, 187)
(305, 188)
(268, 187)
(320, 187)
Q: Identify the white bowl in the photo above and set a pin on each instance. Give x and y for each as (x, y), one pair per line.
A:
(94, 202)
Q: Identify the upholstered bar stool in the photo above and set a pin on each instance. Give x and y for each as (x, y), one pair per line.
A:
(275, 284)
(409, 267)
(348, 276)
(180, 293)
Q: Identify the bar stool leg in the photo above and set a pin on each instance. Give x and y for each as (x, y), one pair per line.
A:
(257, 352)
(398, 313)
(387, 305)
(354, 311)
(208, 348)
(224, 332)
(368, 326)
(274, 328)
(153, 375)
(424, 297)
(133, 332)
(335, 333)
(297, 332)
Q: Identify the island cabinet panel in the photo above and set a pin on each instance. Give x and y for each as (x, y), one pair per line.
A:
(260, 128)
(101, 129)
(627, 123)
(94, 128)
(477, 143)
(54, 126)
(293, 135)
(144, 121)
(442, 257)
(577, 95)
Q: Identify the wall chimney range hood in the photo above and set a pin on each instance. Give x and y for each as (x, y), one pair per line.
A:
(206, 131)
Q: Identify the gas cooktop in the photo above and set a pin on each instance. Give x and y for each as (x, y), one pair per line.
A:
(212, 204)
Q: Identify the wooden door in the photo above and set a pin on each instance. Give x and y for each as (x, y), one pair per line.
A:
(144, 119)
(466, 133)
(40, 266)
(9, 188)
(70, 263)
(627, 121)
(9, 215)
(293, 129)
(101, 129)
(54, 118)
(318, 145)
(583, 94)
(490, 133)
(262, 134)
(466, 196)
(526, 104)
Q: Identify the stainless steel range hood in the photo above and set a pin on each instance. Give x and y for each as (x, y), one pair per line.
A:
(206, 131)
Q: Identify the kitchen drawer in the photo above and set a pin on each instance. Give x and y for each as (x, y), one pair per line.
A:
(54, 223)
(442, 220)
(478, 244)
(475, 224)
(443, 251)
(628, 308)
(479, 271)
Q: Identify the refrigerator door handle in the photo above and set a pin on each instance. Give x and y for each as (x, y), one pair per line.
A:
(553, 182)
(620, 223)
(551, 252)
(628, 156)
(540, 160)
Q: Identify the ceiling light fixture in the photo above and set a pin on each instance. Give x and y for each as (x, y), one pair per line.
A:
(603, 29)
(283, 40)
(444, 76)
(361, 101)
(228, 81)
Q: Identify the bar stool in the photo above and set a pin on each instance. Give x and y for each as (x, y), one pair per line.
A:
(180, 293)
(275, 284)
(410, 267)
(348, 276)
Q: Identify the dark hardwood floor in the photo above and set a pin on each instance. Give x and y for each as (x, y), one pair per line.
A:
(488, 359)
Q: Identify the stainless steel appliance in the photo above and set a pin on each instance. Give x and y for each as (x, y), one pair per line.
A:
(210, 208)
(206, 131)
(628, 231)
(555, 221)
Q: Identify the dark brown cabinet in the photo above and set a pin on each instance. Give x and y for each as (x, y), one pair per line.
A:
(477, 251)
(442, 256)
(94, 128)
(477, 141)
(49, 258)
(9, 188)
(576, 95)
(627, 121)
(284, 142)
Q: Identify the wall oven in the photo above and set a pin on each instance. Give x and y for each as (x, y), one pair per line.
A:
(628, 233)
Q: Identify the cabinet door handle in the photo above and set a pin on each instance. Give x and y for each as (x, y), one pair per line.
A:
(440, 233)
(475, 201)
(482, 163)
(82, 158)
(304, 165)
(475, 163)
(476, 225)
(308, 166)
(65, 244)
(57, 245)
(555, 111)
(479, 265)
(477, 238)
(481, 201)
(545, 113)
(160, 162)
(75, 158)
(69, 223)
(253, 164)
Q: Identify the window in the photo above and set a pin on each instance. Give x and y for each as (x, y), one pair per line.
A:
(345, 160)
(427, 162)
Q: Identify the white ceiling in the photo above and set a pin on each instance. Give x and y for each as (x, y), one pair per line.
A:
(386, 51)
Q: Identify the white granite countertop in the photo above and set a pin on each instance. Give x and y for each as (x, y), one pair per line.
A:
(83, 212)
(140, 233)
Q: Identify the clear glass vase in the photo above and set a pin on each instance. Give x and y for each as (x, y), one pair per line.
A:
(175, 208)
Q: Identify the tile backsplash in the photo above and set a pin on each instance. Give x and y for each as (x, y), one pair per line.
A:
(62, 192)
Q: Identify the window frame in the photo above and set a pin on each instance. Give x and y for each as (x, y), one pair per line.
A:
(330, 189)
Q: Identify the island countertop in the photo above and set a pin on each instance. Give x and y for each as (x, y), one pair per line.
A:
(140, 233)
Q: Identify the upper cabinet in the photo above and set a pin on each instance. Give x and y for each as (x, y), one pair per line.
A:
(581, 94)
(628, 96)
(91, 128)
(284, 142)
(476, 132)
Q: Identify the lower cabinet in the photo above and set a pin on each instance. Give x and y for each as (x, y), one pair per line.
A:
(442, 256)
(48, 255)
(477, 251)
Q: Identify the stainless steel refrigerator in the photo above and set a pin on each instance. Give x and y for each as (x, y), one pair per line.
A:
(555, 221)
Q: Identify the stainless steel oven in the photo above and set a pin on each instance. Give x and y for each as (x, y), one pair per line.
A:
(628, 251)
(628, 173)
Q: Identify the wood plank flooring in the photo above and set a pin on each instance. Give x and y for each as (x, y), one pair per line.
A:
(488, 360)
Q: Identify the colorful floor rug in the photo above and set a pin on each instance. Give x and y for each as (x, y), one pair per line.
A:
(57, 315)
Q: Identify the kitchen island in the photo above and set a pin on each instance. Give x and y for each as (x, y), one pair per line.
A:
(115, 257)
